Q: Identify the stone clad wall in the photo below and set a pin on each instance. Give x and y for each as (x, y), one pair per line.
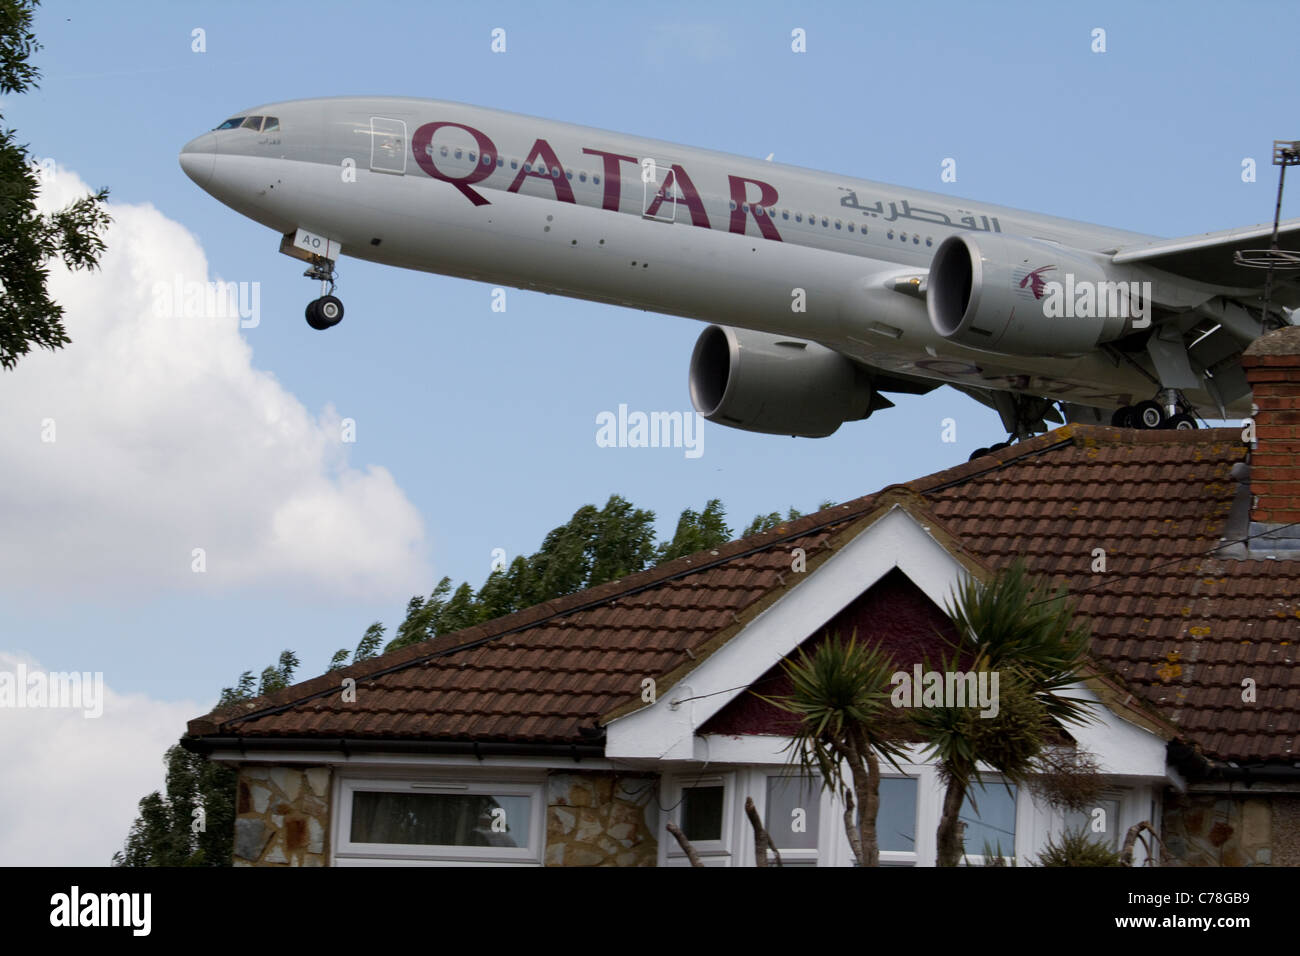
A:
(1237, 830)
(282, 816)
(601, 819)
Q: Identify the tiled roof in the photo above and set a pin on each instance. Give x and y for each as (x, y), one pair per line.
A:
(1180, 627)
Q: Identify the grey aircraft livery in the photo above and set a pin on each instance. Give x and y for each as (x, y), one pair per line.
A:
(822, 293)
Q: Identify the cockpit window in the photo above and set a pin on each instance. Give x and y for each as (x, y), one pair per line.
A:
(253, 122)
(232, 123)
(271, 123)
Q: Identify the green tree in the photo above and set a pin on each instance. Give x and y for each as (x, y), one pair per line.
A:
(165, 834)
(696, 531)
(28, 239)
(594, 546)
(1015, 627)
(772, 519)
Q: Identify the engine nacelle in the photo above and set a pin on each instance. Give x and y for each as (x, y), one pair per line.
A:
(775, 384)
(1024, 297)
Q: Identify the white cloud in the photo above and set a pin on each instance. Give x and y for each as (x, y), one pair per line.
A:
(168, 439)
(71, 783)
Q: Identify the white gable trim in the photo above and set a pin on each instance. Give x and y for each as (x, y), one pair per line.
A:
(666, 729)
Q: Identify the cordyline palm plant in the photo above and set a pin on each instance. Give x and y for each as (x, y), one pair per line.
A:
(840, 696)
(1012, 626)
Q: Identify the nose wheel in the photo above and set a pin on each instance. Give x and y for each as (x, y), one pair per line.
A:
(324, 313)
(327, 311)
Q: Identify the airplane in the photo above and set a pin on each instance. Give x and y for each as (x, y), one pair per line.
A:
(823, 293)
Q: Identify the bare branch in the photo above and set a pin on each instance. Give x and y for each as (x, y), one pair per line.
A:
(762, 839)
(1126, 855)
(685, 844)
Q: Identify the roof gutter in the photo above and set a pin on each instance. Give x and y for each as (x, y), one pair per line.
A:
(1198, 769)
(354, 745)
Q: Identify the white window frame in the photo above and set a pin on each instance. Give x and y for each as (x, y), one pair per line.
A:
(1024, 810)
(825, 813)
(900, 857)
(347, 853)
(712, 852)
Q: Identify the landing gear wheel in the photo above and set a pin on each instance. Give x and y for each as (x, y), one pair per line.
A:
(313, 317)
(330, 310)
(1148, 415)
(978, 453)
(1122, 417)
(1181, 422)
(325, 312)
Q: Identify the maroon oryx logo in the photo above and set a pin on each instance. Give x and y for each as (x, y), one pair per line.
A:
(1035, 281)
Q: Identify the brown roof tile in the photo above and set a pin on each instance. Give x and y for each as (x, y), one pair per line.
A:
(1180, 626)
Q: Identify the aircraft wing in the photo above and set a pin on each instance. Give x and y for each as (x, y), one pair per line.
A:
(1209, 257)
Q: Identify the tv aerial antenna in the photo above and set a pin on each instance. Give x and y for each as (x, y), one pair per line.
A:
(1285, 153)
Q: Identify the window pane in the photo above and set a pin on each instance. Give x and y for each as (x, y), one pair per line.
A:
(253, 122)
(896, 819)
(996, 822)
(702, 813)
(1083, 820)
(791, 830)
(440, 819)
(272, 123)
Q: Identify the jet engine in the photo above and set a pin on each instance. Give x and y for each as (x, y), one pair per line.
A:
(775, 384)
(1025, 297)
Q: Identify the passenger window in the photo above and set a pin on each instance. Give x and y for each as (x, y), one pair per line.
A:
(837, 224)
(582, 177)
(798, 217)
(458, 152)
(514, 164)
(555, 172)
(595, 179)
(785, 213)
(473, 157)
(825, 222)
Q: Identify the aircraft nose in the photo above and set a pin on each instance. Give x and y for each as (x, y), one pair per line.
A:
(199, 157)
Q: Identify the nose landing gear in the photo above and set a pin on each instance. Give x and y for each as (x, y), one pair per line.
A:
(327, 311)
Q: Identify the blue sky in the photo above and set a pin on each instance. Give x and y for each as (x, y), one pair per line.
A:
(485, 421)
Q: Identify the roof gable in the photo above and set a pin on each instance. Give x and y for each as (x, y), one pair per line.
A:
(891, 538)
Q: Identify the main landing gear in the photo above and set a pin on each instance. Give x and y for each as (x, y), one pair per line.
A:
(981, 452)
(327, 311)
(1169, 411)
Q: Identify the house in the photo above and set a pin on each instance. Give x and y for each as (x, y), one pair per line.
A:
(571, 733)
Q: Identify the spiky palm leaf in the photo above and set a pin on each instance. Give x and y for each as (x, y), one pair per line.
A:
(840, 695)
(1014, 622)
